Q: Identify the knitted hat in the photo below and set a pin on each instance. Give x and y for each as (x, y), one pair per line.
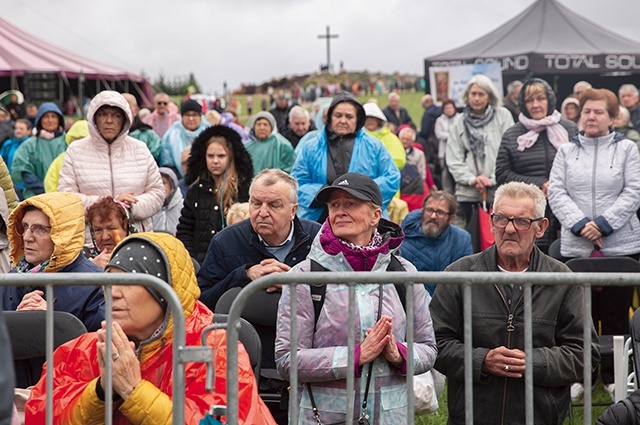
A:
(136, 255)
(190, 105)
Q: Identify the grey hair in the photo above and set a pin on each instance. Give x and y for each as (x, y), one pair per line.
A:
(271, 176)
(514, 85)
(298, 111)
(586, 84)
(628, 88)
(485, 84)
(408, 129)
(393, 95)
(518, 190)
(625, 113)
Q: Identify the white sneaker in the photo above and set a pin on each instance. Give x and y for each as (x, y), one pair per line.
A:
(610, 389)
(577, 391)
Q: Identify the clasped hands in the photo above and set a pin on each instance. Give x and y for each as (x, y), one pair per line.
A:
(125, 366)
(592, 233)
(380, 340)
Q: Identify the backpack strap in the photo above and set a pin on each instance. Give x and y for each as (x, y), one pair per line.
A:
(318, 292)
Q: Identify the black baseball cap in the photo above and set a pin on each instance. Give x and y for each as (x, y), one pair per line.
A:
(358, 185)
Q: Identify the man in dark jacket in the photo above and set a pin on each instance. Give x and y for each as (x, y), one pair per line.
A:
(396, 114)
(272, 240)
(498, 323)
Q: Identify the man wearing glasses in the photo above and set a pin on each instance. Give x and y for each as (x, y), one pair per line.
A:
(164, 114)
(498, 323)
(431, 243)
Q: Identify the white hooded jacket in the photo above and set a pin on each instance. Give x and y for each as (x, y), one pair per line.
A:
(93, 168)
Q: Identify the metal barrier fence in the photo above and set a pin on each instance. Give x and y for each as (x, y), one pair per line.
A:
(181, 353)
(466, 279)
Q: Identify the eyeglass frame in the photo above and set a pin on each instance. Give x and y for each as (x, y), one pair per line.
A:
(513, 221)
(439, 213)
(22, 228)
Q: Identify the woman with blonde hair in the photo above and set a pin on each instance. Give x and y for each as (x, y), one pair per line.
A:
(219, 172)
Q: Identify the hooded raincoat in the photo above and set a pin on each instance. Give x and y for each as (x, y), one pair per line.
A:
(93, 168)
(273, 152)
(322, 346)
(369, 157)
(166, 220)
(77, 371)
(33, 158)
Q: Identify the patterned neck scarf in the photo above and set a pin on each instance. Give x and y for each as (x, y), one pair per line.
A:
(376, 241)
(24, 267)
(473, 124)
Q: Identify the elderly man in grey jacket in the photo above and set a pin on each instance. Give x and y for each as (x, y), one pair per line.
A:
(498, 323)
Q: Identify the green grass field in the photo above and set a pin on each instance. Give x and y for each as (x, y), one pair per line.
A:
(411, 101)
(599, 396)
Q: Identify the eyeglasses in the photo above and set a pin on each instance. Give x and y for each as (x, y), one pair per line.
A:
(161, 103)
(439, 213)
(520, 223)
(38, 230)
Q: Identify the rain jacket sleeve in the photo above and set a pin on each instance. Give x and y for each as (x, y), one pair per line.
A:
(7, 186)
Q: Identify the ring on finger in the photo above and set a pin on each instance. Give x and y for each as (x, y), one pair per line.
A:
(116, 356)
(506, 368)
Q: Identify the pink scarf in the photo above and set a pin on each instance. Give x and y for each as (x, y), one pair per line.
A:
(557, 134)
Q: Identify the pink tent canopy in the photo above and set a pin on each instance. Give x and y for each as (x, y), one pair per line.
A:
(21, 52)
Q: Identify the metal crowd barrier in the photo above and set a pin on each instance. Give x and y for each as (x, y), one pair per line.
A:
(181, 353)
(466, 279)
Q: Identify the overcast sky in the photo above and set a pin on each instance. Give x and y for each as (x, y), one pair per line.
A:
(253, 40)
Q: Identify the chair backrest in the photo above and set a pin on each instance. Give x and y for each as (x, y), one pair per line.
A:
(634, 331)
(604, 265)
(554, 251)
(27, 331)
(261, 309)
(249, 337)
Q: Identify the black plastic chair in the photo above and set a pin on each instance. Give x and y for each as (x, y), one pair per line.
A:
(607, 265)
(27, 332)
(261, 311)
(249, 338)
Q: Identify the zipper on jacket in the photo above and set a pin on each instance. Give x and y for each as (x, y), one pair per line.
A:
(510, 329)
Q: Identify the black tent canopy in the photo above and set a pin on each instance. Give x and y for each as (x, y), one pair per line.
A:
(553, 42)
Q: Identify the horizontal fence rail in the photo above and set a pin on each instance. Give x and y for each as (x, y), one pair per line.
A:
(466, 279)
(181, 353)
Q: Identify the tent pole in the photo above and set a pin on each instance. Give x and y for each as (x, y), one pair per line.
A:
(81, 94)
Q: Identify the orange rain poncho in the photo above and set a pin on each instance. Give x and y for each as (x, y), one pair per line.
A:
(77, 372)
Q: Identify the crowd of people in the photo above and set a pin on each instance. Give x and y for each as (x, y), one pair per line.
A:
(208, 205)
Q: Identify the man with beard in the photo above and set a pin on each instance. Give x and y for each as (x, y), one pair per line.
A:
(431, 243)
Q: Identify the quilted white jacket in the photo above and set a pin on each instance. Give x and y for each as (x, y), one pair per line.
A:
(597, 179)
(93, 168)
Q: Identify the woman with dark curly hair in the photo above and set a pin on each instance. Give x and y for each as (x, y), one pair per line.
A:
(219, 172)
